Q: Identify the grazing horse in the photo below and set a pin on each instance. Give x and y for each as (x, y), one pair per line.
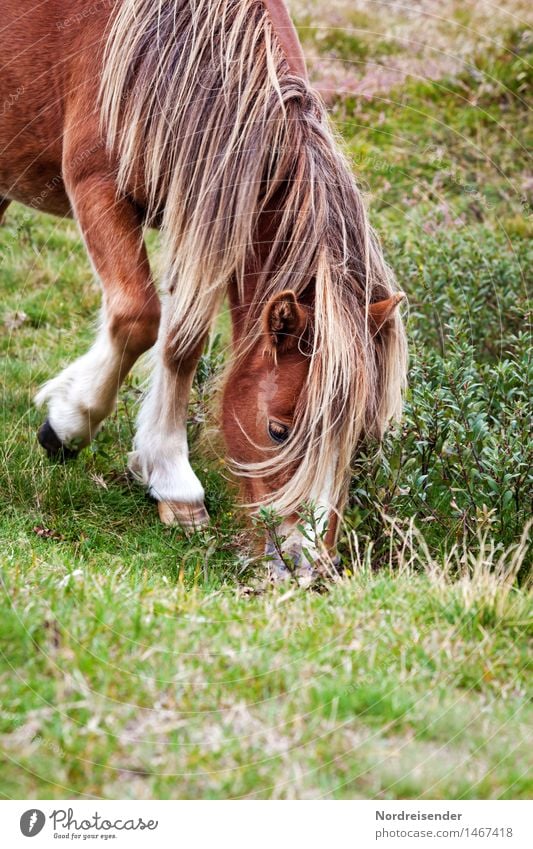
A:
(197, 117)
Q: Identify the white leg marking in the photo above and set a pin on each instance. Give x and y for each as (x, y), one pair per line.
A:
(82, 395)
(160, 458)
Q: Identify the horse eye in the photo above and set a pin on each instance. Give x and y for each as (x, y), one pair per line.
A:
(278, 432)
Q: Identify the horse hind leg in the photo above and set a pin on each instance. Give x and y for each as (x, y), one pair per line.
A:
(85, 393)
(4, 203)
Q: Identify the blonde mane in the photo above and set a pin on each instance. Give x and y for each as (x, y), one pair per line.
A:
(198, 98)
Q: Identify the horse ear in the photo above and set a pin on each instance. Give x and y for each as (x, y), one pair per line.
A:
(380, 312)
(284, 321)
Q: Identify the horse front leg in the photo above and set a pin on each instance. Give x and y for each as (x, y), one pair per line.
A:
(160, 459)
(82, 395)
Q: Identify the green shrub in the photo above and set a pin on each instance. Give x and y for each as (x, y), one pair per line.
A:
(460, 462)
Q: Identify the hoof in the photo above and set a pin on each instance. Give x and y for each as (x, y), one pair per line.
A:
(187, 515)
(50, 441)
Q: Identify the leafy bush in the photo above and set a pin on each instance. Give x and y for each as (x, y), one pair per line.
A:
(460, 462)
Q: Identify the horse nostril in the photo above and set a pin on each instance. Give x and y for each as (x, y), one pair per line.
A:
(277, 567)
(291, 559)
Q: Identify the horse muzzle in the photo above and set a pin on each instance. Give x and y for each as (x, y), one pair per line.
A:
(300, 556)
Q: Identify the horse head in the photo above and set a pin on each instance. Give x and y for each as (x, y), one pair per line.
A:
(266, 397)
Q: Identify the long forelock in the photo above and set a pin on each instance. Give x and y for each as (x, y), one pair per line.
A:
(199, 95)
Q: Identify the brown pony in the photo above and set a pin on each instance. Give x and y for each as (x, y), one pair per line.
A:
(196, 117)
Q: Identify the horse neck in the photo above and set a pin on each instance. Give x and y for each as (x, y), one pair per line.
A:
(240, 298)
(251, 291)
(243, 293)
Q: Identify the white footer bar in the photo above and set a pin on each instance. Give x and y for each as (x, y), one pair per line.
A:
(267, 825)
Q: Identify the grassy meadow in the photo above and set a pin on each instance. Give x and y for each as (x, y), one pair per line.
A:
(137, 661)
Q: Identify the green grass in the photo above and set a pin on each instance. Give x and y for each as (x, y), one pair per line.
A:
(137, 661)
(124, 682)
(451, 151)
